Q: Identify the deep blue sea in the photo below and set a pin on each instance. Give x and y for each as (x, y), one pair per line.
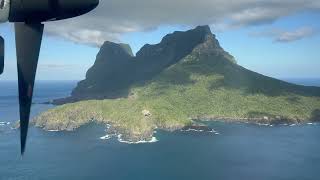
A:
(238, 152)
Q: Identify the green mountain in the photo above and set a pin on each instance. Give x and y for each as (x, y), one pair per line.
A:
(186, 76)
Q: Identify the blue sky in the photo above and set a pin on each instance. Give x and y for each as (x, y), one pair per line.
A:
(287, 46)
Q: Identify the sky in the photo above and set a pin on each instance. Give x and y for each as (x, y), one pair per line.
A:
(275, 38)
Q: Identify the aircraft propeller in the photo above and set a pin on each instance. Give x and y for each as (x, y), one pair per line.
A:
(28, 16)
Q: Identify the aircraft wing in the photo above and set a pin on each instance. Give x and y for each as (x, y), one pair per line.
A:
(28, 42)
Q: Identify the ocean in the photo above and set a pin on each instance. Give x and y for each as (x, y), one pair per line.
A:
(239, 151)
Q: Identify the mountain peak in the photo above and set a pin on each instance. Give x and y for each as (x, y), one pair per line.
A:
(205, 29)
(114, 49)
(198, 34)
(116, 69)
(180, 43)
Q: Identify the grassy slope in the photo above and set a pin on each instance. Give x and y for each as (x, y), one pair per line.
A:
(200, 85)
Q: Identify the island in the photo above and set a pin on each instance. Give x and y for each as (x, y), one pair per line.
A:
(188, 76)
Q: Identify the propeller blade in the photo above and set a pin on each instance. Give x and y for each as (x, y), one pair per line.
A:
(1, 54)
(28, 42)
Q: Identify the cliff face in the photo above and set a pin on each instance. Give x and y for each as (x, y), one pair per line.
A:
(116, 70)
(108, 72)
(186, 76)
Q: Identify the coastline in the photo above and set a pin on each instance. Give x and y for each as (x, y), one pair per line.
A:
(197, 125)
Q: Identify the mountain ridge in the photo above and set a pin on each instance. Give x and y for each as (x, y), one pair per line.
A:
(106, 79)
(171, 84)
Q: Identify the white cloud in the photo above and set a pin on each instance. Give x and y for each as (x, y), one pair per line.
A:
(113, 18)
(56, 66)
(295, 35)
(287, 36)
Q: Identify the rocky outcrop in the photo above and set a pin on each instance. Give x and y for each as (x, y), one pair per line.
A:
(187, 76)
(116, 70)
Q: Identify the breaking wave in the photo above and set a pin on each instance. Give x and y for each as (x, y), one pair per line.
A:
(153, 140)
(106, 137)
(4, 123)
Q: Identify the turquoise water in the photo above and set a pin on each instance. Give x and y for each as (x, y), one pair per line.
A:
(240, 151)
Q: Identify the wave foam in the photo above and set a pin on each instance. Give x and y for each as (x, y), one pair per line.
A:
(153, 140)
(4, 123)
(106, 137)
(52, 130)
(195, 130)
(263, 124)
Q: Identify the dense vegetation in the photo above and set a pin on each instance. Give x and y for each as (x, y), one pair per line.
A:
(205, 84)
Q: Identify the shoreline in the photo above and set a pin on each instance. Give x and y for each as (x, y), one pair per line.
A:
(197, 126)
(277, 120)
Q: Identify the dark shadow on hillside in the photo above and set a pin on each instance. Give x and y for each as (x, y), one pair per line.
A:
(116, 70)
(294, 99)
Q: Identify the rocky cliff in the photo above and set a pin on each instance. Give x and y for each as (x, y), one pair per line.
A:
(186, 76)
(116, 69)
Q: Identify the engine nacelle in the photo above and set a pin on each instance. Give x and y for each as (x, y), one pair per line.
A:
(48, 10)
(4, 10)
